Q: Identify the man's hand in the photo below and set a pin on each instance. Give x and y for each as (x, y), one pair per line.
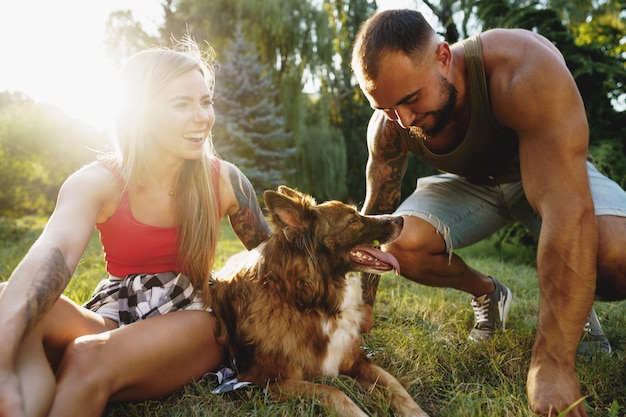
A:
(552, 388)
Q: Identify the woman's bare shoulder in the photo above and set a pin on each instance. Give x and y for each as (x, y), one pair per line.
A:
(96, 184)
(94, 175)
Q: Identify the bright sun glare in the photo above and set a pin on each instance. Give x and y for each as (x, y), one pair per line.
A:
(54, 52)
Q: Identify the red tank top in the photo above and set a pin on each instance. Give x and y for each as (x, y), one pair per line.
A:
(131, 247)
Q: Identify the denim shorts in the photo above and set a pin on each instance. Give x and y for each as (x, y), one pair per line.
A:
(464, 213)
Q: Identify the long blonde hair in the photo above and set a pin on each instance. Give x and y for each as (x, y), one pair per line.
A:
(197, 210)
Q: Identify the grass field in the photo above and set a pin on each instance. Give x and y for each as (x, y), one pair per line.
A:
(420, 336)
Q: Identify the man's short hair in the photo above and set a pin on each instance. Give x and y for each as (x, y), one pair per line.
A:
(402, 30)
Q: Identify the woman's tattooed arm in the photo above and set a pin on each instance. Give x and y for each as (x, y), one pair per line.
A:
(247, 221)
(50, 280)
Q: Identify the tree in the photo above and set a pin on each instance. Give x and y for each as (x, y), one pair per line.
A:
(346, 107)
(39, 147)
(598, 74)
(250, 129)
(124, 36)
(304, 40)
(322, 164)
(446, 10)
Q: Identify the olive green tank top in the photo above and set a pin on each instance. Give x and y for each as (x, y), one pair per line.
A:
(487, 154)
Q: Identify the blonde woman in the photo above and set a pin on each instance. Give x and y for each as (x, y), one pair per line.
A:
(157, 204)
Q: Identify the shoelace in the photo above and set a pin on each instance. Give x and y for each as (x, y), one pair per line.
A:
(481, 310)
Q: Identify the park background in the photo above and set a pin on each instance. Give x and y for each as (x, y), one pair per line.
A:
(289, 112)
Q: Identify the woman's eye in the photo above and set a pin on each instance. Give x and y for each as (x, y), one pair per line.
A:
(181, 105)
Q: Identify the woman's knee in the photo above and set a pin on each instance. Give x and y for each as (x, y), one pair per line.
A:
(84, 379)
(85, 363)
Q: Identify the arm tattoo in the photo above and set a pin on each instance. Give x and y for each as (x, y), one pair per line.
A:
(389, 179)
(247, 222)
(51, 278)
(385, 170)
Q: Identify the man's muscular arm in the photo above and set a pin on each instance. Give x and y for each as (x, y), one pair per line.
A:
(533, 92)
(386, 166)
(385, 169)
(247, 220)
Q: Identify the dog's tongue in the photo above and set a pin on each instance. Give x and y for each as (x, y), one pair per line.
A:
(382, 260)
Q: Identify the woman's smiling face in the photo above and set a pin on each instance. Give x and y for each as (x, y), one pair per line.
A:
(181, 115)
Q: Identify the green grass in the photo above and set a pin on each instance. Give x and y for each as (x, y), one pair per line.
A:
(420, 336)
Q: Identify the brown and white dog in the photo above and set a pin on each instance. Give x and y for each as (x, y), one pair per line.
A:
(290, 311)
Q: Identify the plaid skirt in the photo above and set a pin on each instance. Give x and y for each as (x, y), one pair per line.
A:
(139, 296)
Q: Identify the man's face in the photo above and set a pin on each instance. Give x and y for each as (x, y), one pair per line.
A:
(417, 96)
(441, 116)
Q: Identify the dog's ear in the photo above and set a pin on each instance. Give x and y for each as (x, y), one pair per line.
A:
(283, 189)
(290, 210)
(306, 199)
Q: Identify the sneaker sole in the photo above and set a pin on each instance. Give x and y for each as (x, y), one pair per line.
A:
(504, 305)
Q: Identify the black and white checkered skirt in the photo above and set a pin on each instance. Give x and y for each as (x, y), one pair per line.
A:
(137, 297)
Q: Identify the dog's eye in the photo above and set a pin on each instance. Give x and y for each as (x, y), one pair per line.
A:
(353, 220)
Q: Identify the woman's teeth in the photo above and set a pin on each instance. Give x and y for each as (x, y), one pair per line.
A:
(194, 137)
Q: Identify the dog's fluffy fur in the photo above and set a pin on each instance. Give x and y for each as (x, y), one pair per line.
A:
(290, 310)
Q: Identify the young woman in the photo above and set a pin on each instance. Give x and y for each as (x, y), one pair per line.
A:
(157, 203)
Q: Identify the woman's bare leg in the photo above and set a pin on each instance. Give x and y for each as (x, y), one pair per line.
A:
(36, 379)
(44, 344)
(145, 360)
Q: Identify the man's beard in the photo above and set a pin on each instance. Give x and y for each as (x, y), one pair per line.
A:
(441, 116)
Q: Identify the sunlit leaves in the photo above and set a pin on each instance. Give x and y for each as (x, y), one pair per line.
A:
(39, 147)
